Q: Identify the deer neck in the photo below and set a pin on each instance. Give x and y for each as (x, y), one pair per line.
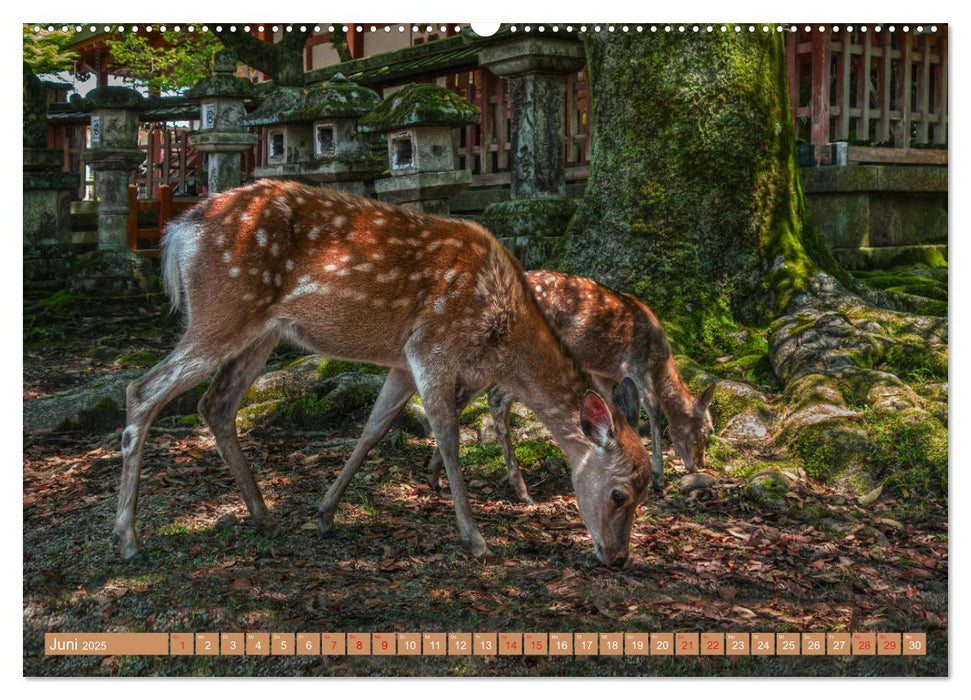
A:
(671, 391)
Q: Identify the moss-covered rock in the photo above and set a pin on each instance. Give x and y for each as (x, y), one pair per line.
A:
(909, 450)
(419, 104)
(768, 489)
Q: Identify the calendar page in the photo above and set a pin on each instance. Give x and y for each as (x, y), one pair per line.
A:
(607, 349)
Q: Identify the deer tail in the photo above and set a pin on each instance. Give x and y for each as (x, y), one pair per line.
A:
(179, 243)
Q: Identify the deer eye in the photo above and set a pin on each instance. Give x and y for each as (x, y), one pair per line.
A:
(618, 497)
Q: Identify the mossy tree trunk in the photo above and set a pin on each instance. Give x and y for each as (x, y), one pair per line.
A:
(694, 204)
(694, 201)
(282, 61)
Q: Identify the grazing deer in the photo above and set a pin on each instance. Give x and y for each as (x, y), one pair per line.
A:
(439, 301)
(612, 335)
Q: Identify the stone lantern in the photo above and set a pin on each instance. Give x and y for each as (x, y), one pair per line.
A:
(290, 139)
(342, 155)
(538, 212)
(114, 269)
(417, 121)
(223, 136)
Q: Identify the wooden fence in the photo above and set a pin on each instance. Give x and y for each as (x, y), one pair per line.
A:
(145, 235)
(883, 92)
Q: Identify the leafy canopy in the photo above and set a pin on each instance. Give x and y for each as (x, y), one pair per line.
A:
(174, 65)
(44, 52)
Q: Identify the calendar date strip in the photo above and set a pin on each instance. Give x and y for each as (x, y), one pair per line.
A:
(576, 644)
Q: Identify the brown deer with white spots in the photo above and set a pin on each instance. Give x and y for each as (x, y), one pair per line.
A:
(612, 335)
(439, 301)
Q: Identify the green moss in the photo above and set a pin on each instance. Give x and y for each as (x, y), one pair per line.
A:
(909, 450)
(915, 362)
(727, 403)
(829, 448)
(138, 358)
(104, 415)
(331, 368)
(420, 104)
(60, 300)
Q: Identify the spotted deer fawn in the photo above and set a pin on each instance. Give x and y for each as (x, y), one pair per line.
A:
(612, 336)
(438, 301)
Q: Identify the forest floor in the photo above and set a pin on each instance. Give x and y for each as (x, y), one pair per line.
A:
(705, 561)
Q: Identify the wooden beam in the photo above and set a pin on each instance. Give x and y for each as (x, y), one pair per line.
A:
(863, 89)
(843, 89)
(883, 126)
(901, 134)
(940, 96)
(924, 90)
(819, 130)
(899, 156)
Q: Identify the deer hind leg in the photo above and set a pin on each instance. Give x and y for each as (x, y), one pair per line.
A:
(439, 401)
(500, 401)
(462, 399)
(186, 367)
(218, 407)
(397, 389)
(657, 461)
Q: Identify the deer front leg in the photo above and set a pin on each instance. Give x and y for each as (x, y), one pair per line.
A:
(435, 461)
(657, 460)
(439, 402)
(145, 397)
(218, 407)
(397, 389)
(500, 401)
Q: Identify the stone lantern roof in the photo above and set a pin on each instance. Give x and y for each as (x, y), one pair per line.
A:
(338, 98)
(420, 104)
(109, 97)
(277, 103)
(224, 82)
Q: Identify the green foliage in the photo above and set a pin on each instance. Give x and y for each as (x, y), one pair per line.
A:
(173, 66)
(138, 358)
(332, 368)
(909, 450)
(45, 52)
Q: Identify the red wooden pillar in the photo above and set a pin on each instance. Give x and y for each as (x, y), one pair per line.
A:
(819, 109)
(901, 133)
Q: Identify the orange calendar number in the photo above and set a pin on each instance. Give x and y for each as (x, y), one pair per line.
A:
(535, 644)
(358, 644)
(257, 644)
(686, 644)
(712, 644)
(737, 644)
(888, 644)
(207, 644)
(611, 644)
(864, 644)
(282, 644)
(787, 644)
(485, 644)
(460, 644)
(333, 644)
(585, 643)
(382, 644)
(813, 643)
(838, 643)
(637, 643)
(561, 643)
(510, 644)
(914, 644)
(308, 644)
(662, 644)
(180, 644)
(433, 643)
(409, 644)
(763, 644)
(231, 643)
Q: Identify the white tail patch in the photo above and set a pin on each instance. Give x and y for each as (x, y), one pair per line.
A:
(179, 246)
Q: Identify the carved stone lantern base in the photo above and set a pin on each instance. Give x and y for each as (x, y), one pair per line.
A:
(530, 228)
(113, 273)
(427, 192)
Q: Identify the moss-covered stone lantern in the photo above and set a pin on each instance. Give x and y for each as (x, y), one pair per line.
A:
(290, 141)
(223, 136)
(417, 121)
(341, 155)
(114, 269)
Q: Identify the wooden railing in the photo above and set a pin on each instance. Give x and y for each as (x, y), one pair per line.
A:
(147, 239)
(873, 89)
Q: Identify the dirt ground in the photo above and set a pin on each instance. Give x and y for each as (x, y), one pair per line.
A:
(710, 560)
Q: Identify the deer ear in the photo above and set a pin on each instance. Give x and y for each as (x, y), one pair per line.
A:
(628, 400)
(595, 419)
(704, 400)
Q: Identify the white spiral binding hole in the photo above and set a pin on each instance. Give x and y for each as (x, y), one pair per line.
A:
(513, 28)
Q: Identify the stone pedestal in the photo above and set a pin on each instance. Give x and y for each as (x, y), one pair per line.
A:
(535, 69)
(47, 218)
(417, 122)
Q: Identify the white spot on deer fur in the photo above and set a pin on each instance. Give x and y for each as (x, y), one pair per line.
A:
(221, 240)
(265, 213)
(451, 241)
(278, 279)
(303, 279)
(253, 271)
(364, 267)
(289, 264)
(425, 234)
(380, 221)
(339, 221)
(300, 200)
(377, 255)
(377, 301)
(274, 249)
(249, 296)
(330, 267)
(440, 305)
(450, 275)
(388, 276)
(539, 288)
(393, 240)
(243, 218)
(401, 301)
(234, 272)
(261, 237)
(314, 232)
(266, 277)
(415, 276)
(312, 288)
(343, 272)
(267, 299)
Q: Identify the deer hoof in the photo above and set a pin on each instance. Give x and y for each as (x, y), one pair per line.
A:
(325, 522)
(271, 528)
(479, 548)
(126, 543)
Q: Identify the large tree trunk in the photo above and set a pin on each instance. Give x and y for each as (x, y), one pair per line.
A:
(694, 204)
